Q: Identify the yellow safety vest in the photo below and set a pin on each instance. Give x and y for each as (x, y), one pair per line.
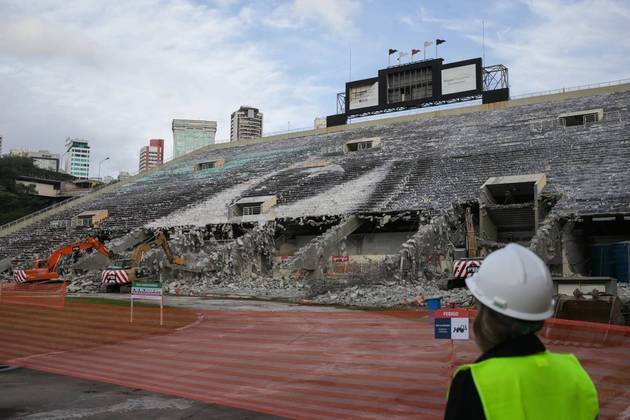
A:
(545, 385)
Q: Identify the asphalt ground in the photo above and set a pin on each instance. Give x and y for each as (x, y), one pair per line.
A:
(33, 395)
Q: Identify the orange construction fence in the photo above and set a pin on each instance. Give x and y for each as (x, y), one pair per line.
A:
(308, 363)
(51, 295)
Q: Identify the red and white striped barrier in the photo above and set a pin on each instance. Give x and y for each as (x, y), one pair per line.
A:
(19, 276)
(465, 268)
(114, 277)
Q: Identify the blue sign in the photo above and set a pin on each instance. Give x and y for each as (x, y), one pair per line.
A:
(452, 328)
(443, 328)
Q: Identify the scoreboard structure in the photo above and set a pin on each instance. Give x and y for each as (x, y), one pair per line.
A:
(420, 84)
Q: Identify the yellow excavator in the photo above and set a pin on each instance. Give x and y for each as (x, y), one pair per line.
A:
(466, 267)
(131, 269)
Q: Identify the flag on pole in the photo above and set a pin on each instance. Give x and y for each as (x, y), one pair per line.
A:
(428, 43)
(439, 41)
(415, 51)
(392, 51)
(401, 54)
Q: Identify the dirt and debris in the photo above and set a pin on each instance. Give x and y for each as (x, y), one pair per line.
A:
(238, 259)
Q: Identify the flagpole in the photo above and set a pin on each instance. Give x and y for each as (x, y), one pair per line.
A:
(483, 40)
(350, 65)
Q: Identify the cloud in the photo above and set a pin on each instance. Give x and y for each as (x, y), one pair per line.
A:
(29, 37)
(569, 44)
(549, 44)
(335, 15)
(418, 21)
(117, 73)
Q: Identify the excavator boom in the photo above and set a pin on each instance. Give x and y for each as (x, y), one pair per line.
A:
(471, 239)
(127, 275)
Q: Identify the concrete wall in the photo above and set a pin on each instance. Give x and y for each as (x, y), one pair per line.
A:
(386, 243)
(290, 246)
(44, 190)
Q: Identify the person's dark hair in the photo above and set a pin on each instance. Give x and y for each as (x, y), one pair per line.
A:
(492, 328)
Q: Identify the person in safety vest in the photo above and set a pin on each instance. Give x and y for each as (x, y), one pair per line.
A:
(516, 377)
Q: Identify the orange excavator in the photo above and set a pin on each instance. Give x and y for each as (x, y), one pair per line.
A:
(46, 271)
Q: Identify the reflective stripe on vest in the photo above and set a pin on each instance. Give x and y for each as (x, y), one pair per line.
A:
(540, 386)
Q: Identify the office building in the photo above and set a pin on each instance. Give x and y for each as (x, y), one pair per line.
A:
(189, 135)
(151, 155)
(77, 161)
(247, 123)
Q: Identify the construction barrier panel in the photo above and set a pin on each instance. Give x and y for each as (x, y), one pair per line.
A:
(51, 295)
(308, 363)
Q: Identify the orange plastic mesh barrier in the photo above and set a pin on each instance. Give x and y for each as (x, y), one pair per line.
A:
(51, 295)
(311, 363)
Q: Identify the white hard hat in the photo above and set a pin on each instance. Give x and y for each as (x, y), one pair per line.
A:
(514, 282)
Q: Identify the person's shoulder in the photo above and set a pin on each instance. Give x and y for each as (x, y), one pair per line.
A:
(463, 398)
(463, 376)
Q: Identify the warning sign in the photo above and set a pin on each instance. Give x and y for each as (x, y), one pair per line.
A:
(452, 324)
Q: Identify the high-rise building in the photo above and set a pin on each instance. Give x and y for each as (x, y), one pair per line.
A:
(247, 123)
(42, 158)
(189, 135)
(77, 158)
(0, 145)
(151, 155)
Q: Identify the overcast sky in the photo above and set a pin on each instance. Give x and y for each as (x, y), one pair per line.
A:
(117, 72)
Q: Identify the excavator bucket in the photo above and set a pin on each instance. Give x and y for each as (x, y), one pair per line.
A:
(598, 308)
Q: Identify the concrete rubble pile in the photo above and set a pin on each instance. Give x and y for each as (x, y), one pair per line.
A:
(89, 282)
(229, 259)
(241, 265)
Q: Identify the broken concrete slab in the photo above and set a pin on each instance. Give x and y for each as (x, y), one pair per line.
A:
(321, 248)
(127, 242)
(94, 261)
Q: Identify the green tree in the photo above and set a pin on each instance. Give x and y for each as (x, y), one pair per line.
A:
(17, 200)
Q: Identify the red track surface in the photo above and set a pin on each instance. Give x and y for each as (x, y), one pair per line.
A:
(315, 364)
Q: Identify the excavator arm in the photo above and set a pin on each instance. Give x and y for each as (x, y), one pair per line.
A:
(82, 245)
(471, 239)
(163, 242)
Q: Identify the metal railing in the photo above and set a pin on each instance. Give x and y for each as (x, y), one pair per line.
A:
(570, 89)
